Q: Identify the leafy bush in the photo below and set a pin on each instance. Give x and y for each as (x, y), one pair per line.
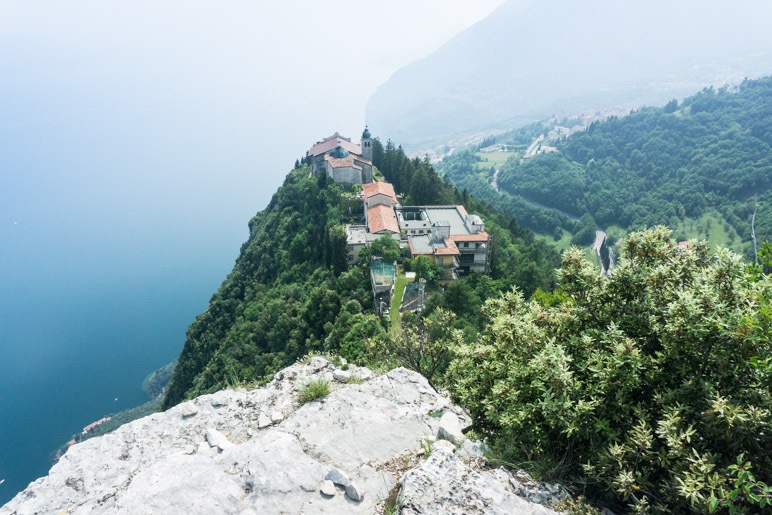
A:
(421, 346)
(645, 387)
(314, 389)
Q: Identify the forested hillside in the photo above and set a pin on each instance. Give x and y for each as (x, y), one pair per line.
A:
(291, 293)
(645, 391)
(708, 155)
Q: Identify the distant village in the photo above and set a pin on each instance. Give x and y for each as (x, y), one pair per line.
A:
(448, 235)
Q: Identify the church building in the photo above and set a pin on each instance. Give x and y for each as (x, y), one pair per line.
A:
(342, 160)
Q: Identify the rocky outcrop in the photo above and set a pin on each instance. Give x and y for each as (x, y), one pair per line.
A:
(261, 451)
(445, 484)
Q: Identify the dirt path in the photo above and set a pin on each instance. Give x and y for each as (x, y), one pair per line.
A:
(495, 181)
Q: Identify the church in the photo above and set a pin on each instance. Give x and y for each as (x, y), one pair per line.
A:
(342, 160)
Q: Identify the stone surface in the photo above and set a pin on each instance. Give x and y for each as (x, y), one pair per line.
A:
(338, 477)
(263, 421)
(215, 454)
(523, 485)
(443, 484)
(443, 444)
(217, 439)
(328, 488)
(471, 450)
(188, 409)
(355, 493)
(341, 375)
(450, 428)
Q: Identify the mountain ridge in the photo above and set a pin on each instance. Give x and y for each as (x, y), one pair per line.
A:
(524, 62)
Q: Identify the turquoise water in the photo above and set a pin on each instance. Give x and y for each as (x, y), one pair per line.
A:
(85, 315)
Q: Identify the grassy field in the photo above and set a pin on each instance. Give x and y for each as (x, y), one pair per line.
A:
(711, 226)
(564, 243)
(494, 159)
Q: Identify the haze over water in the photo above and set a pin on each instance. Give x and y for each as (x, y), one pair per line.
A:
(137, 139)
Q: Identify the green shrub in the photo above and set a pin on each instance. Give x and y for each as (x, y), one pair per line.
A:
(314, 389)
(645, 387)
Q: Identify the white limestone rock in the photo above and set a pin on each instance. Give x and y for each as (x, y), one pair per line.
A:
(450, 429)
(188, 409)
(182, 462)
(217, 439)
(328, 488)
(443, 484)
(263, 421)
(341, 375)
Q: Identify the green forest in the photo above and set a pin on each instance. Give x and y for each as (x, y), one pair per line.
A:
(702, 167)
(291, 293)
(648, 391)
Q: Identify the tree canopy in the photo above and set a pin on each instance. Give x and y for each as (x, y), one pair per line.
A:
(651, 388)
(290, 291)
(669, 166)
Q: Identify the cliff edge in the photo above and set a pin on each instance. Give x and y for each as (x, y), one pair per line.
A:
(262, 451)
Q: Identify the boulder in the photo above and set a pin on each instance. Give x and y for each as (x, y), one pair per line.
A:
(263, 421)
(328, 488)
(338, 477)
(217, 439)
(188, 409)
(450, 429)
(443, 484)
(341, 375)
(354, 492)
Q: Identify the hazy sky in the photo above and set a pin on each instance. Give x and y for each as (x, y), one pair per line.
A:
(146, 110)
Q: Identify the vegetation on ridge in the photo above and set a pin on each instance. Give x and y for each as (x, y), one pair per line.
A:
(711, 154)
(651, 389)
(290, 291)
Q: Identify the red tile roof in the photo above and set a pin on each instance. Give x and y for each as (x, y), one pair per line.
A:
(379, 188)
(450, 250)
(480, 236)
(381, 218)
(333, 141)
(343, 162)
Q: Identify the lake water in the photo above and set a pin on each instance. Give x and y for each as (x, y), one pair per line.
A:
(85, 314)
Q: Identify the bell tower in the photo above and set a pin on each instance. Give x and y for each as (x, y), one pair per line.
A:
(367, 145)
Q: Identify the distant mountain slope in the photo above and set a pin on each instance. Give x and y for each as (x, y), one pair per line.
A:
(530, 59)
(704, 162)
